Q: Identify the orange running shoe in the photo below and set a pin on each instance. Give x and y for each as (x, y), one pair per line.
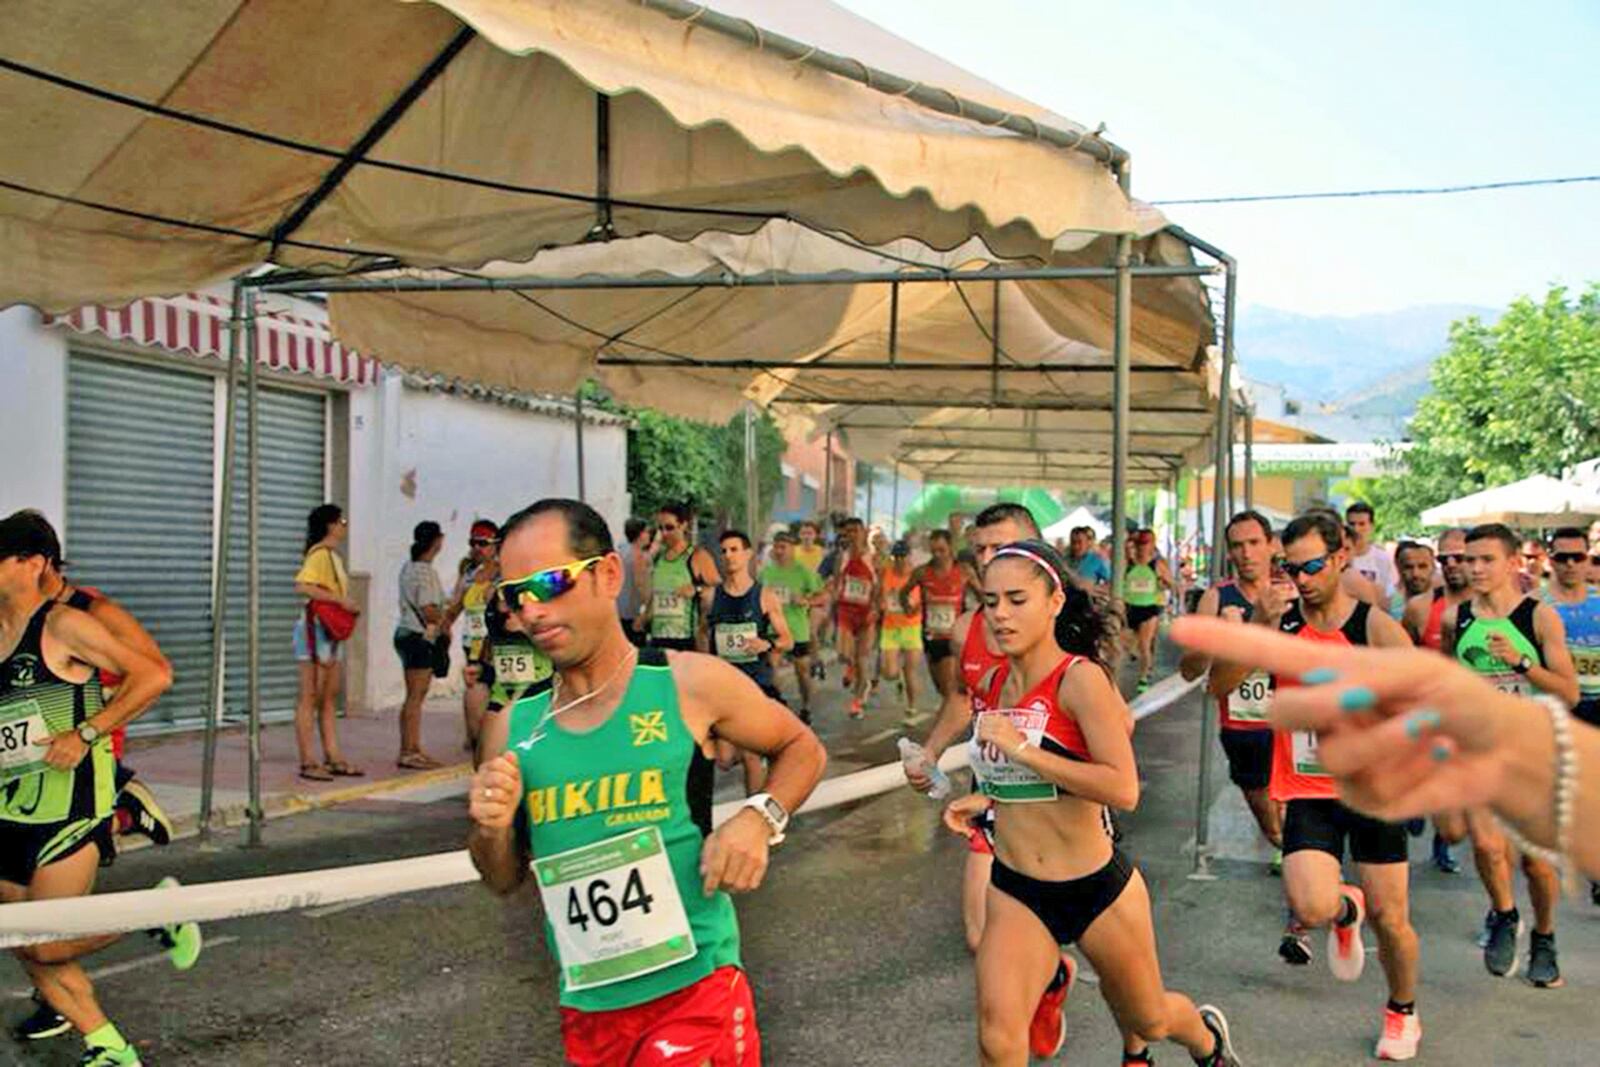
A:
(1047, 1032)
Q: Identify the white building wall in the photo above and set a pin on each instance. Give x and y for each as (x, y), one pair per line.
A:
(413, 455)
(419, 455)
(33, 406)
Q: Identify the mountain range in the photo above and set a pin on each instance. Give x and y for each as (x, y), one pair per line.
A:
(1372, 366)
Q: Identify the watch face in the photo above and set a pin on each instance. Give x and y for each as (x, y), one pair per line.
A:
(775, 810)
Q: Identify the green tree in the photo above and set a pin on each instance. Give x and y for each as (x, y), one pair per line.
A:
(1518, 398)
(673, 460)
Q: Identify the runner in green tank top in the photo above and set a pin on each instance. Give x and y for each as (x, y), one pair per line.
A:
(1142, 585)
(671, 612)
(1519, 644)
(602, 784)
(57, 787)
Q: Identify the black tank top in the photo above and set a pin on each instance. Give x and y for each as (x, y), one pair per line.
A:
(735, 621)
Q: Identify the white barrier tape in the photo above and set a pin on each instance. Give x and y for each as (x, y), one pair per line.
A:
(39, 921)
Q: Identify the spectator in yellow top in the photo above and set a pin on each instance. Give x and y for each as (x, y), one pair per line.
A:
(322, 577)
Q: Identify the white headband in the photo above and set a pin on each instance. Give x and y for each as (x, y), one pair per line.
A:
(1014, 550)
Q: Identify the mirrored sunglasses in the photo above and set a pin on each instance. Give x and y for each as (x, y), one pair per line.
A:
(543, 586)
(1309, 567)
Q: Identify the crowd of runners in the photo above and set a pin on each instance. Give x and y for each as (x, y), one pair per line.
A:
(606, 682)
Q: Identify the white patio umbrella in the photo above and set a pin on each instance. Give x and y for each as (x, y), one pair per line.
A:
(1537, 501)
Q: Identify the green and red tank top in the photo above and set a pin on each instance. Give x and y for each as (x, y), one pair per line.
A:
(1297, 772)
(35, 704)
(615, 818)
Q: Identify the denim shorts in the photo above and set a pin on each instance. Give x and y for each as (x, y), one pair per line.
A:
(328, 650)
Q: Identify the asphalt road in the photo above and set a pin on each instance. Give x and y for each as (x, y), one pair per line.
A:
(854, 946)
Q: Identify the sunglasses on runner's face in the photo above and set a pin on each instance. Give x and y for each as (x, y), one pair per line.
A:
(1452, 558)
(481, 542)
(1570, 557)
(1309, 567)
(543, 586)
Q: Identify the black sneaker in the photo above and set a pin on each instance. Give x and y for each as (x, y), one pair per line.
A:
(148, 818)
(1217, 1023)
(1543, 971)
(1295, 948)
(43, 1023)
(1443, 861)
(1500, 954)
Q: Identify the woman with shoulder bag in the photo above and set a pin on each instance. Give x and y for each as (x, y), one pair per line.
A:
(324, 625)
(418, 637)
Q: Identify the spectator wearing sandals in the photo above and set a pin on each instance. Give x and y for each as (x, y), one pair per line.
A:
(321, 577)
(421, 615)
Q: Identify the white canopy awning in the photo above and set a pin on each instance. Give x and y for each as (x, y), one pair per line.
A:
(179, 143)
(1537, 501)
(702, 351)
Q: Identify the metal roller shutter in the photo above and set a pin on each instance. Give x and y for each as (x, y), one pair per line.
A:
(291, 448)
(139, 500)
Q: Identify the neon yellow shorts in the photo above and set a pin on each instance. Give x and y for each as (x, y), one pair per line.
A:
(901, 638)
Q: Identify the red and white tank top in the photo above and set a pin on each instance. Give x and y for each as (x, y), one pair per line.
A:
(977, 662)
(855, 588)
(1297, 772)
(1038, 714)
(941, 602)
(1433, 632)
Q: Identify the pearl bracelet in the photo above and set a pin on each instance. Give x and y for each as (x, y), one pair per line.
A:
(1566, 798)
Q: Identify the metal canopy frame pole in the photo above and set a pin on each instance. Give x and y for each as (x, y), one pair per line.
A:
(253, 512)
(751, 474)
(894, 504)
(219, 584)
(761, 279)
(1224, 450)
(1250, 457)
(577, 431)
(827, 483)
(1121, 407)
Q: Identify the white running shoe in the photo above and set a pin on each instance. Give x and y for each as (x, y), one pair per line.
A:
(1401, 1035)
(1347, 956)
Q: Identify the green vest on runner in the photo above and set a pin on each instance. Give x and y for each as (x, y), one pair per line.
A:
(1472, 645)
(34, 705)
(792, 585)
(1140, 586)
(671, 615)
(615, 819)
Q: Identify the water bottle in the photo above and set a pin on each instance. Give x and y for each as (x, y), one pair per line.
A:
(911, 754)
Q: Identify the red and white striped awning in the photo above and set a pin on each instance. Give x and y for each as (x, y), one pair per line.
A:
(197, 323)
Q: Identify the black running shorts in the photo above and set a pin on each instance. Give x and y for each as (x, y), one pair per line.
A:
(1249, 757)
(937, 649)
(1324, 825)
(1068, 908)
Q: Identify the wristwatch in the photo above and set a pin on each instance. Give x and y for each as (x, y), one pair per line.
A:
(1523, 665)
(89, 733)
(776, 814)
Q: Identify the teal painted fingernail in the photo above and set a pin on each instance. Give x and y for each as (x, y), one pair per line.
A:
(1419, 722)
(1441, 752)
(1320, 676)
(1357, 698)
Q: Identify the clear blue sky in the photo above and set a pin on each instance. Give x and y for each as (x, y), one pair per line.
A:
(1243, 98)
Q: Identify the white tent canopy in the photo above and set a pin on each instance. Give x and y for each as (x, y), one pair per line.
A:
(1537, 501)
(1078, 516)
(177, 143)
(702, 351)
